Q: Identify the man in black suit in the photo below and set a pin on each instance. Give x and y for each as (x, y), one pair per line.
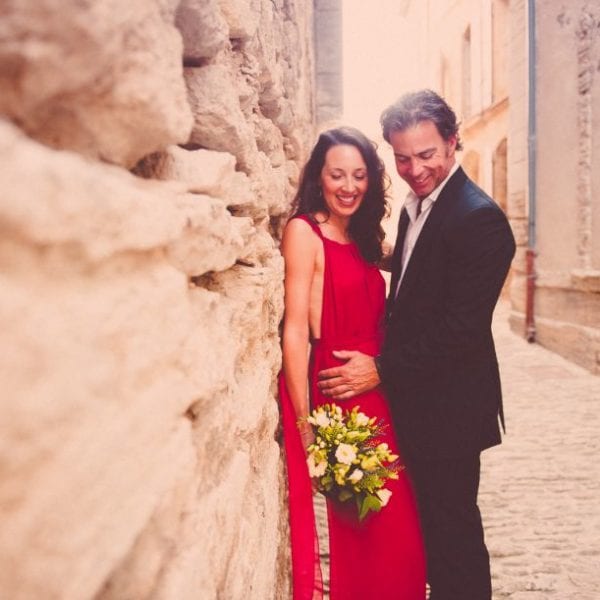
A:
(438, 362)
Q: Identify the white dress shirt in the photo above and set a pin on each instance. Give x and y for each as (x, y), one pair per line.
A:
(416, 223)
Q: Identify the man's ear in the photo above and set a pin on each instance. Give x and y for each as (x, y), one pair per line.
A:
(451, 145)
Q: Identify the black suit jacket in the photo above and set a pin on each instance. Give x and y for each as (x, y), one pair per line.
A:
(438, 362)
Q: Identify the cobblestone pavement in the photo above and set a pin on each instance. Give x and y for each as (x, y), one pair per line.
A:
(540, 490)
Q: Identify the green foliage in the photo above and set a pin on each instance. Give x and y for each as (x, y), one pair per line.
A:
(348, 460)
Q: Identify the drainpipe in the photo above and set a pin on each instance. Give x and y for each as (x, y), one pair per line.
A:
(531, 155)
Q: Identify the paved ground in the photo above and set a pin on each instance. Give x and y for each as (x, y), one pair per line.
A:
(540, 490)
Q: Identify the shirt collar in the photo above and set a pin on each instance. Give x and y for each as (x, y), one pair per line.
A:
(412, 199)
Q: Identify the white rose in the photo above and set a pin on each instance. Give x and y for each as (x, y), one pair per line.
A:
(384, 495)
(315, 470)
(322, 420)
(362, 420)
(355, 476)
(345, 453)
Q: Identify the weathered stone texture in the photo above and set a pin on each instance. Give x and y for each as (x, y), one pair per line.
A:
(203, 28)
(139, 454)
(567, 241)
(102, 78)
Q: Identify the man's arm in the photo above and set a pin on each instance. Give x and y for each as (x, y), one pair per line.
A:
(355, 377)
(484, 249)
(385, 263)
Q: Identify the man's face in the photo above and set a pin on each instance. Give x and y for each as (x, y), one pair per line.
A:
(423, 157)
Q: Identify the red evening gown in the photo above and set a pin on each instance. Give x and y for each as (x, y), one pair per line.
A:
(381, 557)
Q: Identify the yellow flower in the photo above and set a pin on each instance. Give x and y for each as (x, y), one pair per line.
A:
(369, 463)
(340, 472)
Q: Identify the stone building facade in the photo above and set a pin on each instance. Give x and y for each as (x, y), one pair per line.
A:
(523, 77)
(566, 109)
(149, 151)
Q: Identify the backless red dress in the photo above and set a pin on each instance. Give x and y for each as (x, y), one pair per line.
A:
(381, 557)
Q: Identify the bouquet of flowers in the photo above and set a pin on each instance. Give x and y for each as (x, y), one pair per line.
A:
(346, 459)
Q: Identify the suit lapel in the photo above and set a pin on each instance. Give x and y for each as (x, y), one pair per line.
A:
(397, 257)
(430, 231)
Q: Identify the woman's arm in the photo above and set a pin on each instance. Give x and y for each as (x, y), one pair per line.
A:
(299, 248)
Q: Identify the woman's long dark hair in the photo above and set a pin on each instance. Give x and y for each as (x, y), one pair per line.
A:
(365, 224)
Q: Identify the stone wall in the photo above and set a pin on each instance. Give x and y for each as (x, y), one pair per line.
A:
(568, 239)
(567, 215)
(141, 293)
(517, 167)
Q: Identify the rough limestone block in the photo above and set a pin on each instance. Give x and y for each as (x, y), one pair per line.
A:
(219, 122)
(260, 250)
(242, 16)
(293, 173)
(95, 425)
(268, 47)
(102, 78)
(139, 453)
(115, 356)
(270, 141)
(261, 291)
(212, 240)
(139, 574)
(202, 171)
(205, 32)
(271, 187)
(284, 117)
(104, 211)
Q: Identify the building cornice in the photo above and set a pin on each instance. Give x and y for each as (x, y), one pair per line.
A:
(488, 114)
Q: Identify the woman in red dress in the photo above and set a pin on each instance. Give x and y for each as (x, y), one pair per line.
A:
(335, 298)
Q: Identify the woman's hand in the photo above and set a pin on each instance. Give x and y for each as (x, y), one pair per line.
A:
(307, 435)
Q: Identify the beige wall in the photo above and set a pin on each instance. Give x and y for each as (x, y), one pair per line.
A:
(461, 52)
(328, 59)
(518, 193)
(568, 185)
(139, 454)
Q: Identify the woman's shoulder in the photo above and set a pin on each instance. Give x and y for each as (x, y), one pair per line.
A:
(300, 246)
(300, 231)
(304, 225)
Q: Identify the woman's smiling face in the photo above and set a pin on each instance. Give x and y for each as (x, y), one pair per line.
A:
(344, 180)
